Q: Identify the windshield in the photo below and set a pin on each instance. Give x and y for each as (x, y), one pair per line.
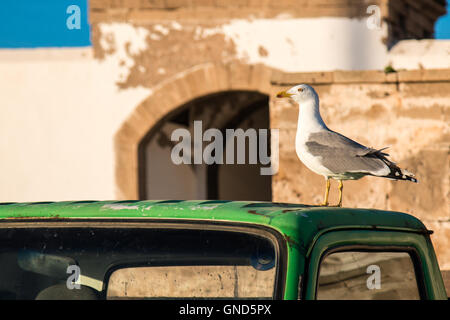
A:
(134, 263)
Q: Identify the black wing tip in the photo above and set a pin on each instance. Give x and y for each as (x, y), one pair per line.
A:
(396, 178)
(400, 174)
(407, 177)
(412, 179)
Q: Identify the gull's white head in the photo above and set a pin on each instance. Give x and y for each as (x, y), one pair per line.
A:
(301, 93)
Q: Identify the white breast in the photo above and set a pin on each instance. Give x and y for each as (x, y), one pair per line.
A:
(310, 161)
(309, 121)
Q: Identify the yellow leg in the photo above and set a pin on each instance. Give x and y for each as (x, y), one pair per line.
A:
(327, 191)
(341, 189)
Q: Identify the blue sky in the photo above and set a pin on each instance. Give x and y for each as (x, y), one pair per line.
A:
(442, 26)
(43, 23)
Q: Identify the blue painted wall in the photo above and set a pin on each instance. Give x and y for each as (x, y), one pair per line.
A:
(43, 23)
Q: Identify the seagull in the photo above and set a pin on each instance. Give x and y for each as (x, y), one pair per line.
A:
(329, 153)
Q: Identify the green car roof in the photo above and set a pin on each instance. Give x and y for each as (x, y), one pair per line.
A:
(299, 224)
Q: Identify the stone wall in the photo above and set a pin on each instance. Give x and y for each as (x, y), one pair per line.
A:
(237, 8)
(407, 19)
(408, 111)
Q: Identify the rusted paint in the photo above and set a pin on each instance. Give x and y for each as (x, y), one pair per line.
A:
(257, 213)
(293, 243)
(289, 210)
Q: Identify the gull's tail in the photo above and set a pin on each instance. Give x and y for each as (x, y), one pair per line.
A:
(400, 174)
(395, 173)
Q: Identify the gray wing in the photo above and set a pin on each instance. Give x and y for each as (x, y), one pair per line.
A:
(340, 154)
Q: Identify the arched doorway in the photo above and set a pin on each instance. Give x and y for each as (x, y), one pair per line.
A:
(167, 97)
(161, 178)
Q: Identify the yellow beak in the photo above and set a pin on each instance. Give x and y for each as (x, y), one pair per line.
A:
(283, 94)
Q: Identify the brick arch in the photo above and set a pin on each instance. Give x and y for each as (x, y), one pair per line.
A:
(166, 97)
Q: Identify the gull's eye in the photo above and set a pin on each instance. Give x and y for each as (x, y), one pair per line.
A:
(300, 89)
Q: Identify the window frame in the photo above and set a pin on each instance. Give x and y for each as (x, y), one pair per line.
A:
(411, 251)
(412, 243)
(271, 234)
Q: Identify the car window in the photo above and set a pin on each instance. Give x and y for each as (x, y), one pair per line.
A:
(354, 275)
(191, 282)
(135, 263)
